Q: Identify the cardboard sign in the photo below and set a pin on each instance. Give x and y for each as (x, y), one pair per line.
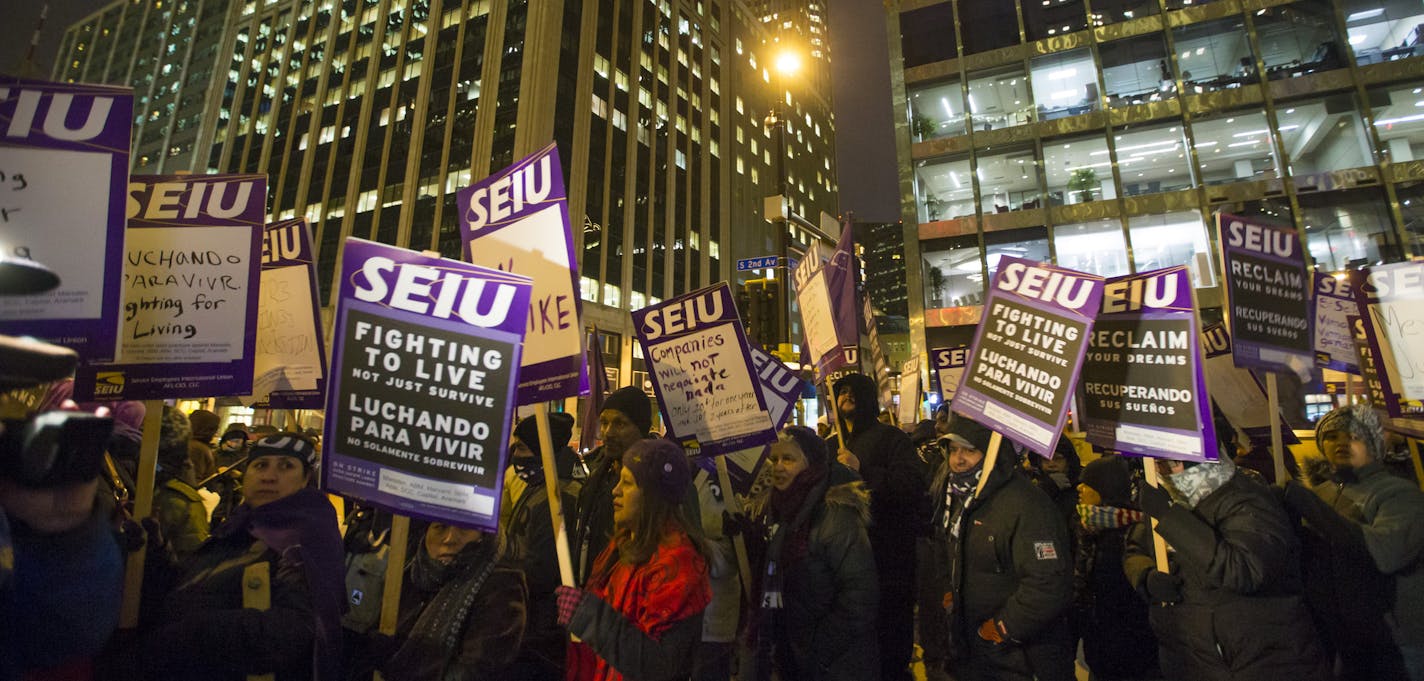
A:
(1236, 392)
(290, 368)
(879, 363)
(1391, 305)
(1365, 358)
(1266, 292)
(192, 262)
(949, 366)
(1028, 350)
(781, 387)
(64, 163)
(910, 392)
(1144, 390)
(702, 372)
(818, 321)
(517, 220)
(425, 360)
(1334, 339)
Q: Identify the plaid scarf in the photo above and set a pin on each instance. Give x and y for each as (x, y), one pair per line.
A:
(1099, 518)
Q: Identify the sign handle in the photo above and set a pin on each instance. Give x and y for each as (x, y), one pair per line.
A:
(143, 507)
(395, 572)
(738, 542)
(836, 421)
(990, 458)
(551, 487)
(1273, 398)
(1159, 545)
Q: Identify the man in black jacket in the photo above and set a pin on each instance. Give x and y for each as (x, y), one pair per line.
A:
(884, 457)
(1010, 572)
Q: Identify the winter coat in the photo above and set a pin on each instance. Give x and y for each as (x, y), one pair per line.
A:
(530, 534)
(827, 627)
(182, 516)
(1241, 616)
(1009, 562)
(593, 516)
(644, 621)
(1109, 616)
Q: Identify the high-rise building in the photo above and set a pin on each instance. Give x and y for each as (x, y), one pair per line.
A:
(369, 115)
(882, 255)
(1104, 137)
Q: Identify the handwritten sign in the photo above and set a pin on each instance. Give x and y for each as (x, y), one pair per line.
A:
(64, 159)
(910, 391)
(1028, 350)
(703, 373)
(1334, 340)
(1144, 391)
(517, 220)
(1266, 282)
(192, 259)
(949, 366)
(781, 387)
(1236, 392)
(1391, 304)
(425, 357)
(818, 322)
(290, 365)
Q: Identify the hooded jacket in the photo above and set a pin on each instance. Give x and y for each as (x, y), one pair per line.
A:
(1241, 616)
(892, 471)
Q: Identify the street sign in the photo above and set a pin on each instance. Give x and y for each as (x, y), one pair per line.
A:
(746, 264)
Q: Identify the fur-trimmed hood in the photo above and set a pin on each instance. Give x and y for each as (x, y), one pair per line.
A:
(852, 495)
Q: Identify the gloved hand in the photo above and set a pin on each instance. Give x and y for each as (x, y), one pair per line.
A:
(568, 599)
(1162, 587)
(154, 533)
(993, 631)
(1153, 501)
(734, 524)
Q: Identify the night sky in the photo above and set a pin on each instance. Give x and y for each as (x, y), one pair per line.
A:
(865, 145)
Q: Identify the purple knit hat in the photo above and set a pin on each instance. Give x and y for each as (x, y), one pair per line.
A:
(660, 467)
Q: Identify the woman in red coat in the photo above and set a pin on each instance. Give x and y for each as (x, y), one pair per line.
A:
(640, 614)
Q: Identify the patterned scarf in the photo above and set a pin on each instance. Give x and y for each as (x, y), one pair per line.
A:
(1098, 518)
(456, 586)
(1196, 483)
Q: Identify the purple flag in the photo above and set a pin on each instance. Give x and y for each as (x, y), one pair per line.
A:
(1028, 350)
(1143, 387)
(597, 390)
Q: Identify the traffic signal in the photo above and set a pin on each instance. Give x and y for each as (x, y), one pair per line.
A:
(758, 302)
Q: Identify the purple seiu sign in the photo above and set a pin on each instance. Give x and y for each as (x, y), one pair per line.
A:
(1390, 299)
(192, 267)
(828, 309)
(64, 163)
(702, 372)
(291, 359)
(1236, 391)
(1334, 340)
(425, 358)
(1267, 295)
(1143, 385)
(1365, 358)
(781, 387)
(1028, 350)
(949, 366)
(517, 220)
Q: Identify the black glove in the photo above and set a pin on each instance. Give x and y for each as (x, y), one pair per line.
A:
(1153, 501)
(154, 534)
(734, 524)
(1162, 587)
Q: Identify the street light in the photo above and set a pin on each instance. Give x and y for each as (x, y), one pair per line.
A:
(787, 63)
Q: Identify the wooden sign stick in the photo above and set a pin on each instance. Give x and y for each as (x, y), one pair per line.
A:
(1158, 543)
(551, 487)
(990, 458)
(395, 573)
(1273, 399)
(739, 543)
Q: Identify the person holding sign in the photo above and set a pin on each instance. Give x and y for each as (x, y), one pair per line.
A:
(819, 589)
(640, 614)
(1229, 605)
(284, 534)
(884, 457)
(1364, 545)
(1010, 575)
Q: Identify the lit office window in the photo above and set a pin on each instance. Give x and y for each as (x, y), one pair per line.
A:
(1078, 170)
(1065, 84)
(944, 189)
(1299, 38)
(1136, 71)
(936, 110)
(1323, 135)
(1096, 247)
(1235, 147)
(1029, 243)
(1214, 55)
(1399, 120)
(1172, 239)
(1053, 18)
(1008, 180)
(999, 98)
(953, 272)
(1383, 31)
(1153, 158)
(1348, 229)
(1411, 207)
(1114, 11)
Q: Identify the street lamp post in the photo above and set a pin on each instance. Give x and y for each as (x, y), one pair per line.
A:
(787, 63)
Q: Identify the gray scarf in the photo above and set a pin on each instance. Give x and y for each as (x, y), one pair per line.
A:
(1195, 483)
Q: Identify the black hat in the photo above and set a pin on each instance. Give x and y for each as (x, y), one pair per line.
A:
(1111, 478)
(812, 446)
(966, 432)
(234, 434)
(660, 468)
(561, 428)
(633, 403)
(286, 444)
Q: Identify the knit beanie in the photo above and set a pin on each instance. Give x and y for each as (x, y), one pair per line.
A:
(286, 444)
(1360, 421)
(233, 434)
(128, 419)
(173, 441)
(633, 403)
(1111, 478)
(810, 444)
(561, 428)
(660, 468)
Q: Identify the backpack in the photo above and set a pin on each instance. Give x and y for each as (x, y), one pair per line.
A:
(367, 547)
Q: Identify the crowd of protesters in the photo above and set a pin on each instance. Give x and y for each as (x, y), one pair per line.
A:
(868, 549)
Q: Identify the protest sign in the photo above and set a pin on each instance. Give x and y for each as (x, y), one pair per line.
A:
(1391, 306)
(949, 366)
(290, 367)
(910, 391)
(702, 372)
(879, 368)
(1264, 268)
(1236, 392)
(517, 220)
(1143, 386)
(781, 387)
(1334, 339)
(425, 357)
(1365, 360)
(825, 294)
(192, 261)
(1028, 350)
(64, 163)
